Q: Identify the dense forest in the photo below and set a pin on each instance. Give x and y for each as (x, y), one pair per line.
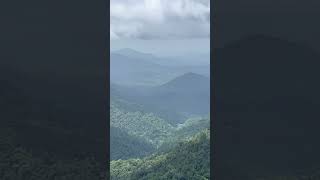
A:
(135, 134)
(187, 160)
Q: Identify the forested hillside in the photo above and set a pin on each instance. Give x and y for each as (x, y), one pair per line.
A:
(125, 146)
(143, 125)
(145, 146)
(188, 160)
(136, 133)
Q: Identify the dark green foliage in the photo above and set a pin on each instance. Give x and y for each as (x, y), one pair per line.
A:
(124, 146)
(184, 131)
(188, 160)
(146, 126)
(191, 127)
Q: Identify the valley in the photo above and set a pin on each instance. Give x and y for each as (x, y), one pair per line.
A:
(159, 130)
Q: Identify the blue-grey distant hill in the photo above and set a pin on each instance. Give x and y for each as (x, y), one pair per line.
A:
(185, 96)
(133, 68)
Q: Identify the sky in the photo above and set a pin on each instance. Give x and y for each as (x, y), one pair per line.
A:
(162, 27)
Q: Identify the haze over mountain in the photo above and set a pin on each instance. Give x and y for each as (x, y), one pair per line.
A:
(188, 59)
(130, 67)
(136, 54)
(160, 89)
(184, 96)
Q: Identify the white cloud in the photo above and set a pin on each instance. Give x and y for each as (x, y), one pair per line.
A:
(148, 19)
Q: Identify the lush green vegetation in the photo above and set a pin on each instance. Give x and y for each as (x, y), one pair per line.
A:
(137, 134)
(146, 146)
(124, 146)
(184, 132)
(188, 160)
(143, 125)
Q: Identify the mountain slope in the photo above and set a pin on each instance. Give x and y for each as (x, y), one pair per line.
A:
(183, 97)
(127, 70)
(130, 67)
(185, 82)
(188, 160)
(185, 131)
(131, 53)
(192, 59)
(188, 95)
(123, 146)
(146, 126)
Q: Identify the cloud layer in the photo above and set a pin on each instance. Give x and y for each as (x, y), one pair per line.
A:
(159, 19)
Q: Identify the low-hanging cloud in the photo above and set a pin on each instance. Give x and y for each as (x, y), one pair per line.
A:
(159, 19)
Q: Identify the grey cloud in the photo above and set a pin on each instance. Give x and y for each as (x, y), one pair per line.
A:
(159, 19)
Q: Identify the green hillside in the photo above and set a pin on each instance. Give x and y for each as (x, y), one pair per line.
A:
(124, 146)
(188, 160)
(146, 126)
(185, 131)
(157, 133)
(138, 134)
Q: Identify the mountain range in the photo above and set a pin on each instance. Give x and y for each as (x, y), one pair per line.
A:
(130, 67)
(185, 96)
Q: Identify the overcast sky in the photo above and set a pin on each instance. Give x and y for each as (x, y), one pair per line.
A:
(160, 26)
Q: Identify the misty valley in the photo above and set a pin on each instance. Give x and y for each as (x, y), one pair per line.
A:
(160, 117)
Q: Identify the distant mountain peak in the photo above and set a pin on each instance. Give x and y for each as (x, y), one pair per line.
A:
(190, 76)
(188, 79)
(131, 52)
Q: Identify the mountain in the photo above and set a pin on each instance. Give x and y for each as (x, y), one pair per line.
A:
(185, 131)
(267, 107)
(190, 59)
(185, 82)
(131, 53)
(188, 160)
(183, 97)
(188, 95)
(137, 71)
(147, 124)
(135, 132)
(130, 67)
